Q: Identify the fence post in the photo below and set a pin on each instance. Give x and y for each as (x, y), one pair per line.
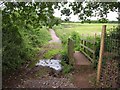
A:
(94, 47)
(85, 45)
(101, 53)
(70, 51)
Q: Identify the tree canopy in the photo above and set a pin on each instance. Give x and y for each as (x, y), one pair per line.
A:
(42, 12)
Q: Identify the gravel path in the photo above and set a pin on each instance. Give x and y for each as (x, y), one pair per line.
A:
(47, 82)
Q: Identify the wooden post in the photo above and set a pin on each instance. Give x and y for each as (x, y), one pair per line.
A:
(70, 51)
(81, 43)
(85, 45)
(101, 52)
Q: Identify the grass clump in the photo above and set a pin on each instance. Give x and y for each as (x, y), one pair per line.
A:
(65, 62)
(51, 53)
(66, 67)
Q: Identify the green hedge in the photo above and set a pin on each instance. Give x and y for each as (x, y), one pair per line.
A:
(21, 45)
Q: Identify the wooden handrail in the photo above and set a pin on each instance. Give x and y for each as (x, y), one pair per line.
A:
(84, 47)
(92, 51)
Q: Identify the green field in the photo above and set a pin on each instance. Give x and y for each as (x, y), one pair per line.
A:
(67, 28)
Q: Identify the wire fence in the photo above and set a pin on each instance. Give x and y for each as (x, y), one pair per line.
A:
(110, 75)
(112, 43)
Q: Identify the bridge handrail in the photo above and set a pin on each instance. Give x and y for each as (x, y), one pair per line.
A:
(92, 51)
(84, 47)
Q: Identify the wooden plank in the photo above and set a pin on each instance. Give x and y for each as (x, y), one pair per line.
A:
(101, 52)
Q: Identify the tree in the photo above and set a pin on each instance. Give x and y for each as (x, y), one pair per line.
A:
(103, 20)
(88, 9)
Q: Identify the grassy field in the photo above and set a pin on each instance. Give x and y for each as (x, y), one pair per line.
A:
(67, 28)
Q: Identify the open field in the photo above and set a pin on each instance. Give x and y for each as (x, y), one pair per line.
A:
(67, 28)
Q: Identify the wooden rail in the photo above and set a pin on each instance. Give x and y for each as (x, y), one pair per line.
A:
(86, 50)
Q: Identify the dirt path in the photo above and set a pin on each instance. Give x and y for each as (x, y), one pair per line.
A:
(54, 36)
(84, 72)
(81, 59)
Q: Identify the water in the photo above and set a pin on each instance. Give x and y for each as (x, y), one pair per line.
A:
(55, 64)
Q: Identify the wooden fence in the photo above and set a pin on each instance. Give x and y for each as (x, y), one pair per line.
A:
(88, 48)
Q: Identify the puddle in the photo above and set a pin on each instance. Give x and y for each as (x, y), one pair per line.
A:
(55, 64)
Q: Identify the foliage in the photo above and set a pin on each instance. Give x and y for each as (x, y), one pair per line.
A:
(20, 46)
(22, 35)
(66, 67)
(87, 9)
(76, 37)
(103, 20)
(65, 55)
(112, 40)
(51, 53)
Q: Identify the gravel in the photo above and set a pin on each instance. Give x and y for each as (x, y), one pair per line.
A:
(47, 82)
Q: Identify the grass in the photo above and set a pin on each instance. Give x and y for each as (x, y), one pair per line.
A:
(67, 28)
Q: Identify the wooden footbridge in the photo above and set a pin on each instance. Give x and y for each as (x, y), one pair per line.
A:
(87, 53)
(85, 56)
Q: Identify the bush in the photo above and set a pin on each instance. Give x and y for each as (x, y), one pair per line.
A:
(76, 37)
(65, 55)
(21, 45)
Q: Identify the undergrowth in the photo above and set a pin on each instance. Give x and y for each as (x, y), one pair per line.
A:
(21, 45)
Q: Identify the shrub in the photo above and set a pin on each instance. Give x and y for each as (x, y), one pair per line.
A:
(76, 37)
(20, 46)
(65, 56)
